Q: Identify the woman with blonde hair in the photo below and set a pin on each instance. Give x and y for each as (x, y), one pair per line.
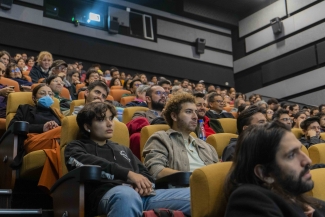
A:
(42, 66)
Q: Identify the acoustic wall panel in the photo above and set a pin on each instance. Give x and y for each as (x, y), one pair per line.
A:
(33, 16)
(294, 85)
(290, 25)
(296, 41)
(250, 80)
(262, 17)
(315, 98)
(190, 34)
(321, 52)
(294, 5)
(35, 2)
(289, 65)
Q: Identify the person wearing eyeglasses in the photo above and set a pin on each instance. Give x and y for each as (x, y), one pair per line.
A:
(14, 73)
(44, 132)
(133, 87)
(175, 150)
(56, 83)
(60, 68)
(282, 115)
(311, 130)
(216, 104)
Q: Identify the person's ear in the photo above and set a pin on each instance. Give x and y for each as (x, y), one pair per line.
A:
(87, 127)
(245, 127)
(148, 99)
(173, 116)
(260, 172)
(86, 92)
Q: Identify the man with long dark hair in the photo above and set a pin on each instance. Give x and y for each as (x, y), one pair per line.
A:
(269, 175)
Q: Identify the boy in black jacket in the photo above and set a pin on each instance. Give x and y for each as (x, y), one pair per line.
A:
(127, 187)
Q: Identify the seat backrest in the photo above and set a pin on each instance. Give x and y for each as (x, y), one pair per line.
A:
(125, 100)
(206, 186)
(70, 130)
(117, 93)
(81, 95)
(317, 153)
(116, 87)
(25, 73)
(228, 109)
(297, 132)
(78, 86)
(9, 82)
(220, 140)
(318, 176)
(22, 98)
(65, 93)
(28, 78)
(40, 80)
(229, 125)
(129, 112)
(147, 131)
(75, 103)
(322, 136)
(235, 114)
(305, 150)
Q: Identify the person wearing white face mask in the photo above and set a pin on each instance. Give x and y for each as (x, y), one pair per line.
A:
(44, 131)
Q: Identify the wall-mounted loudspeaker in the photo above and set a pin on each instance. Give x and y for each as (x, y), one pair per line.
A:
(276, 24)
(6, 4)
(113, 25)
(200, 45)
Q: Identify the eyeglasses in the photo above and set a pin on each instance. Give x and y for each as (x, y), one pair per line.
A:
(44, 93)
(62, 68)
(15, 70)
(270, 112)
(57, 81)
(160, 93)
(137, 85)
(286, 119)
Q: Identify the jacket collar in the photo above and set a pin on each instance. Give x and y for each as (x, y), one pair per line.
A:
(176, 133)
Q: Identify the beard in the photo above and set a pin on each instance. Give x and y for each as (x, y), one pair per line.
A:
(288, 182)
(200, 114)
(183, 126)
(158, 106)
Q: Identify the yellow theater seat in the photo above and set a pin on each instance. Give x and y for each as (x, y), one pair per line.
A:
(206, 186)
(220, 140)
(297, 132)
(229, 125)
(317, 153)
(318, 176)
(129, 112)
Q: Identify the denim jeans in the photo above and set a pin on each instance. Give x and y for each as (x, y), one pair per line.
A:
(123, 201)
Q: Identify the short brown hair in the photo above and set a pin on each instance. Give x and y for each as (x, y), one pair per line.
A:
(175, 105)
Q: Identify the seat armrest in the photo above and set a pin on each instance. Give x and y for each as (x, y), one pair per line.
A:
(175, 180)
(17, 128)
(86, 173)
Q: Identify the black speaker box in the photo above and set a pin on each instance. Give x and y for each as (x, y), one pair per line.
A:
(113, 25)
(6, 4)
(276, 25)
(200, 45)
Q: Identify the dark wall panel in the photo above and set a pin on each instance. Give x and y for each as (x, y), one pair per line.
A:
(289, 65)
(249, 80)
(321, 52)
(63, 44)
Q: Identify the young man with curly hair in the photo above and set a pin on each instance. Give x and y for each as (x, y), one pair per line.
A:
(174, 150)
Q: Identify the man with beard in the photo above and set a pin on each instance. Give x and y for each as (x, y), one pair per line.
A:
(211, 126)
(270, 175)
(175, 150)
(156, 99)
(311, 129)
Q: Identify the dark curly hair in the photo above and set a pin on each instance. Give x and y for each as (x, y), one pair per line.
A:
(175, 105)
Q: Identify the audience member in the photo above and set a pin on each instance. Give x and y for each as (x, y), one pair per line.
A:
(321, 116)
(30, 63)
(251, 116)
(321, 108)
(115, 82)
(282, 116)
(270, 175)
(269, 114)
(133, 87)
(24, 56)
(273, 104)
(166, 85)
(184, 83)
(211, 126)
(143, 79)
(211, 88)
(298, 118)
(120, 167)
(216, 104)
(314, 111)
(293, 109)
(262, 104)
(174, 150)
(5, 57)
(17, 57)
(42, 68)
(73, 77)
(21, 64)
(126, 85)
(44, 132)
(4, 92)
(311, 129)
(238, 102)
(140, 97)
(14, 73)
(114, 72)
